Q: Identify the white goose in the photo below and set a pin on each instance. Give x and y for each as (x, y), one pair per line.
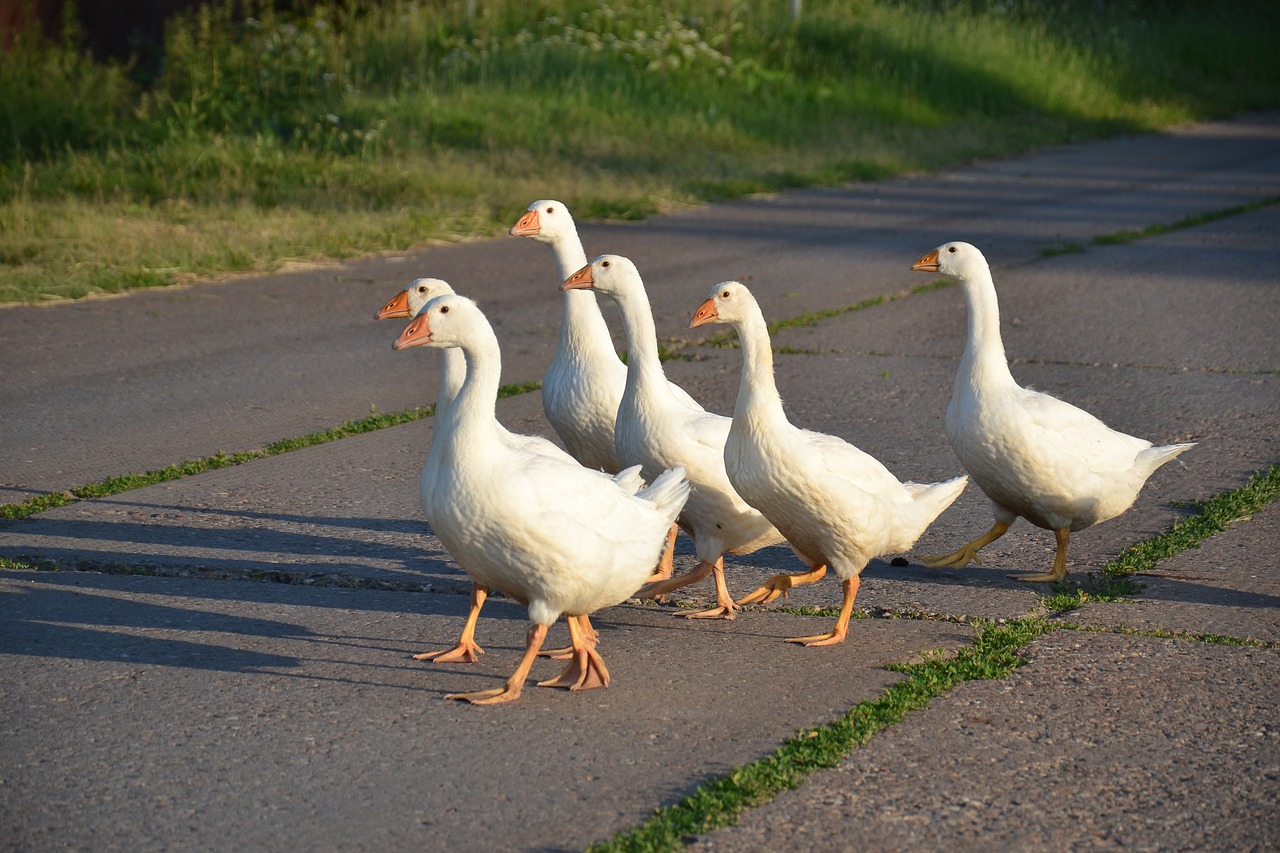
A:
(559, 538)
(407, 303)
(583, 385)
(1033, 455)
(657, 431)
(837, 505)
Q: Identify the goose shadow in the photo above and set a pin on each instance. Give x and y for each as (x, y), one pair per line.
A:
(83, 617)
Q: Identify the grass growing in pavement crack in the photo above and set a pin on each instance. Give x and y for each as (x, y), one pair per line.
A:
(1161, 634)
(995, 653)
(1114, 582)
(1132, 235)
(125, 482)
(729, 339)
(1184, 222)
(1216, 515)
(1095, 587)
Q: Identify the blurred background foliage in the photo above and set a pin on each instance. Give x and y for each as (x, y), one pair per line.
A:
(252, 134)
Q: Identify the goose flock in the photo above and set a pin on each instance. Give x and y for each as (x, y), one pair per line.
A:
(566, 533)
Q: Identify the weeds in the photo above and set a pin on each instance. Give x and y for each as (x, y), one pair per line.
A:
(351, 129)
(1216, 515)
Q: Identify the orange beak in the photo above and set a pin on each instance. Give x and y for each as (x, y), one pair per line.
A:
(527, 226)
(397, 307)
(929, 263)
(415, 334)
(706, 313)
(581, 280)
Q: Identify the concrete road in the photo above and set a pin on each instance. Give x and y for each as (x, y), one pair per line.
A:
(173, 704)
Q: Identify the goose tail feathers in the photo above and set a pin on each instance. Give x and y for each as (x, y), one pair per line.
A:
(668, 492)
(1153, 457)
(932, 498)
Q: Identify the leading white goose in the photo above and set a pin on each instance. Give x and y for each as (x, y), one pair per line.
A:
(657, 431)
(1033, 455)
(407, 303)
(549, 533)
(837, 505)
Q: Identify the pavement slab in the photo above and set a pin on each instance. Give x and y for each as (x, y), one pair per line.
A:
(1100, 742)
(143, 713)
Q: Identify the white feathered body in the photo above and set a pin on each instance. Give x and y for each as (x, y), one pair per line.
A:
(557, 539)
(528, 520)
(835, 504)
(1033, 455)
(658, 434)
(657, 429)
(1043, 459)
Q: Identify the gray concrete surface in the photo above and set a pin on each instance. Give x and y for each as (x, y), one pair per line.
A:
(198, 711)
(1101, 742)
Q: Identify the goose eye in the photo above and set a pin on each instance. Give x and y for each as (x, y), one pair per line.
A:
(550, 210)
(444, 309)
(951, 249)
(604, 263)
(725, 295)
(422, 289)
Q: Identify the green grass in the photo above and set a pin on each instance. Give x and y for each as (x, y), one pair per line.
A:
(1216, 514)
(1161, 634)
(995, 653)
(729, 339)
(1121, 237)
(126, 482)
(356, 128)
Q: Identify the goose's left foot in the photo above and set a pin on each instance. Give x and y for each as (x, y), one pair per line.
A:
(1059, 570)
(781, 585)
(586, 669)
(567, 652)
(849, 588)
(515, 684)
(725, 608)
(961, 557)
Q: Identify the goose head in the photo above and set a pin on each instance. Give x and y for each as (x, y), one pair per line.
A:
(408, 302)
(956, 259)
(445, 321)
(610, 274)
(728, 303)
(546, 221)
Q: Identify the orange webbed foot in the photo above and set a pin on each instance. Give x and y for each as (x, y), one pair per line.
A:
(496, 696)
(829, 639)
(586, 669)
(781, 585)
(464, 652)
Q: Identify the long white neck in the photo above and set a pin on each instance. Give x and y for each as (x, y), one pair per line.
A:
(644, 367)
(452, 375)
(471, 418)
(758, 399)
(984, 360)
(582, 326)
